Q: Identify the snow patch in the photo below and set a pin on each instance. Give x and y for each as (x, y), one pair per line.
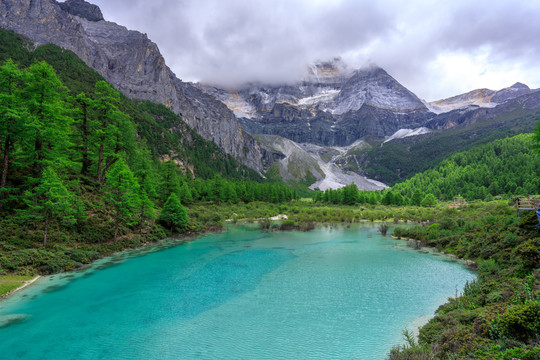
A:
(402, 133)
(323, 95)
(442, 108)
(239, 106)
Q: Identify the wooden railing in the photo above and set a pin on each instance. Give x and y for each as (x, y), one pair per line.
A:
(527, 204)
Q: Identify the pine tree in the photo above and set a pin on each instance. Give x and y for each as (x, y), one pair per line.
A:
(399, 200)
(114, 133)
(83, 123)
(388, 198)
(49, 201)
(48, 126)
(429, 200)
(12, 118)
(146, 209)
(121, 192)
(173, 215)
(170, 181)
(185, 195)
(417, 198)
(350, 194)
(536, 137)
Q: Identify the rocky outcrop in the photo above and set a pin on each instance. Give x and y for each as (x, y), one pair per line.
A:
(131, 63)
(317, 164)
(82, 9)
(511, 92)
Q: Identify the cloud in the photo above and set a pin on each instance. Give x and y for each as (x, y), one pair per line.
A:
(436, 49)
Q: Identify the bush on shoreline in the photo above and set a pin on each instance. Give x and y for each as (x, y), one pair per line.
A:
(497, 316)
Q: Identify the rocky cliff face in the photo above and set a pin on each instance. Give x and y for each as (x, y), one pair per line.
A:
(130, 62)
(334, 105)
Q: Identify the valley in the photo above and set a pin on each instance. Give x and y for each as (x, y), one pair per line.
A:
(105, 149)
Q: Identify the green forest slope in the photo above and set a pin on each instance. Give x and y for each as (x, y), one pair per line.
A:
(152, 121)
(508, 166)
(400, 159)
(85, 171)
(505, 168)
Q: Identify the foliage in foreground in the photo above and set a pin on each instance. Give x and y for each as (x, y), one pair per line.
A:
(498, 315)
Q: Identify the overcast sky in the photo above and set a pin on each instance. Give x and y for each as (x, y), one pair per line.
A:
(436, 49)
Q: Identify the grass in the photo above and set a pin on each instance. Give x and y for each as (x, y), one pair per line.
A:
(11, 282)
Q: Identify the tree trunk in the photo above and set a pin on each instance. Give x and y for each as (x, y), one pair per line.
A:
(143, 208)
(45, 234)
(38, 149)
(110, 161)
(100, 162)
(116, 226)
(3, 181)
(85, 159)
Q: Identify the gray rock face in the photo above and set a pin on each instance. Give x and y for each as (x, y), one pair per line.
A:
(480, 97)
(131, 63)
(511, 92)
(333, 106)
(83, 9)
(471, 114)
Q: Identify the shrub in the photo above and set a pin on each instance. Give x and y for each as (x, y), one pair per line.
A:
(383, 229)
(522, 321)
(448, 223)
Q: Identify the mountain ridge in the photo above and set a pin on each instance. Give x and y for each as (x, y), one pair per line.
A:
(480, 97)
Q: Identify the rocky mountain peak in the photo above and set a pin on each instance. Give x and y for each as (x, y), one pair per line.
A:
(519, 85)
(372, 85)
(333, 105)
(484, 98)
(82, 9)
(331, 71)
(511, 92)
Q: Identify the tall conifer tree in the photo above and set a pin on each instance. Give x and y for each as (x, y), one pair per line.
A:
(49, 201)
(12, 118)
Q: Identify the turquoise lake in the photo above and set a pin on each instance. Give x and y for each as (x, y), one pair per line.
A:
(332, 293)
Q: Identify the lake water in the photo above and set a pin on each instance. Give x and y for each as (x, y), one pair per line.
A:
(243, 294)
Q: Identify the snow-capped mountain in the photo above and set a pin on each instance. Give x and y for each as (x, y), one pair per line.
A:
(334, 105)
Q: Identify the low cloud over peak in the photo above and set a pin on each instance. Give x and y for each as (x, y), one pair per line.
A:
(435, 49)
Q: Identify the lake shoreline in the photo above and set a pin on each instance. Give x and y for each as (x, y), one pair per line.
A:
(24, 284)
(178, 238)
(266, 261)
(470, 264)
